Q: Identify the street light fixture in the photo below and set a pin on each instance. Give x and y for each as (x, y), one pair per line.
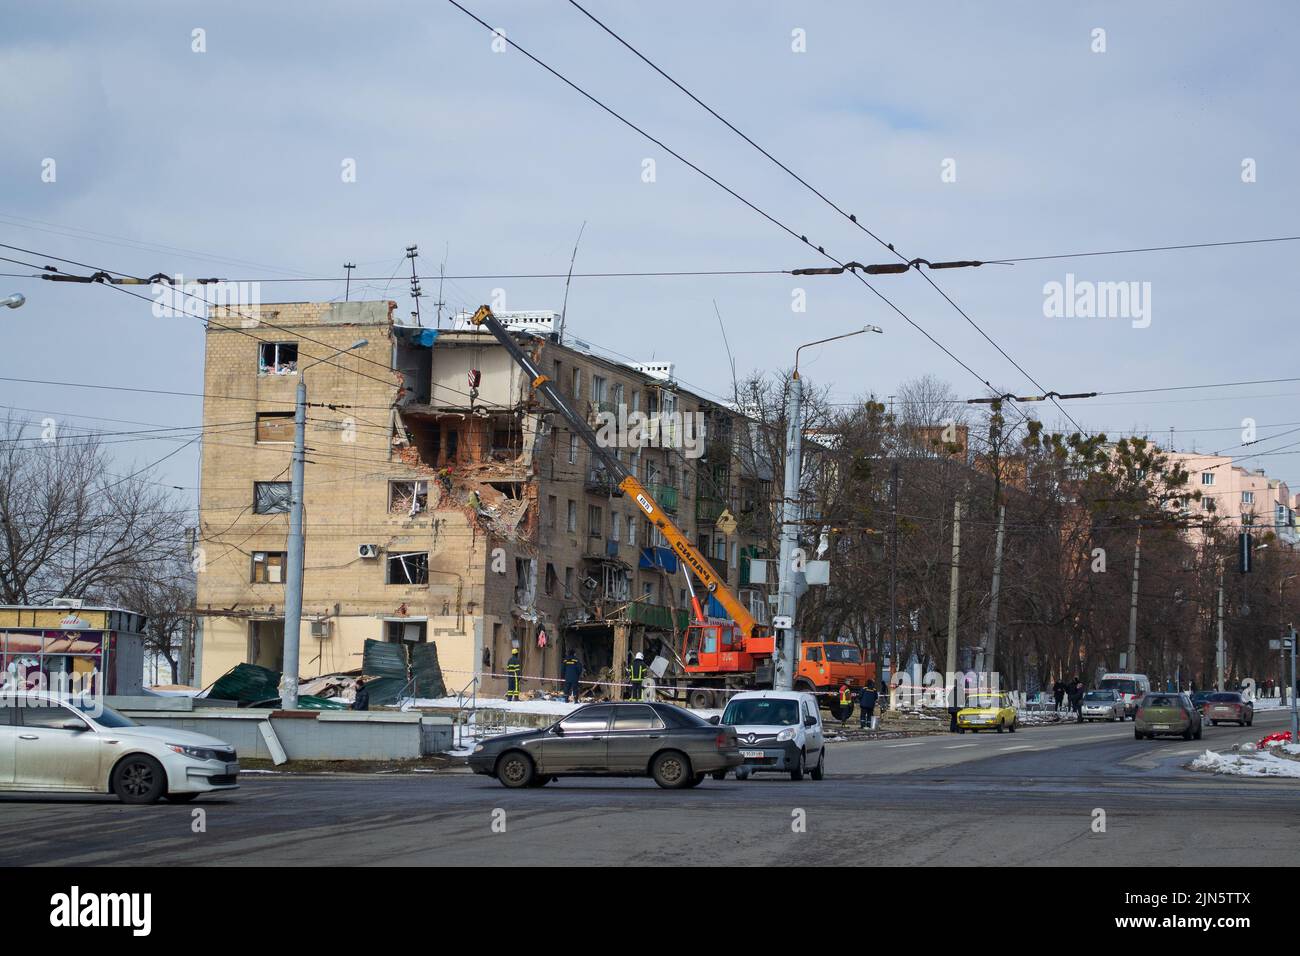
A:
(13, 301)
(294, 559)
(783, 679)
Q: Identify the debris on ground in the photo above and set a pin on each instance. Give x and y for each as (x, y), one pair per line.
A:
(1273, 757)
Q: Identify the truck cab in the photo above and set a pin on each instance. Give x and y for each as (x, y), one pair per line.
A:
(825, 666)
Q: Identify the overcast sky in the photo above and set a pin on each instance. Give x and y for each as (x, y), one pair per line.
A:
(229, 163)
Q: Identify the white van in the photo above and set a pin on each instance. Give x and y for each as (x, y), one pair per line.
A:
(778, 731)
(1130, 687)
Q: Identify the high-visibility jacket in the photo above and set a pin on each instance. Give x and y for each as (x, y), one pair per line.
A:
(638, 671)
(846, 695)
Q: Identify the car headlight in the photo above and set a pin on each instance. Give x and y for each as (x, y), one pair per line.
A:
(197, 753)
(478, 748)
(787, 734)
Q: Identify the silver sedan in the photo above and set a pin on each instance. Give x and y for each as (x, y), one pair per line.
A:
(1102, 705)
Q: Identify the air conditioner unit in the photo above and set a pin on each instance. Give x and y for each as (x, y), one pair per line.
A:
(66, 602)
(321, 630)
(367, 551)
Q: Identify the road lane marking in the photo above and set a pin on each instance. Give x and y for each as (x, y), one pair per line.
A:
(1016, 747)
(959, 746)
(917, 744)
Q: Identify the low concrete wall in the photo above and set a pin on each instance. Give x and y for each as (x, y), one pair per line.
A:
(313, 735)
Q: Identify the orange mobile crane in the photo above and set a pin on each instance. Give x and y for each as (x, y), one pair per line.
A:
(716, 654)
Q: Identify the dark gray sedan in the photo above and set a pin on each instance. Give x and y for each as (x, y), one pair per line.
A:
(674, 746)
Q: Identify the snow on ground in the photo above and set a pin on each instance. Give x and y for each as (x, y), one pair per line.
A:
(1258, 763)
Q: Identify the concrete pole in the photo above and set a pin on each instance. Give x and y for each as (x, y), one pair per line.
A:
(1219, 651)
(787, 599)
(294, 559)
(1295, 716)
(1131, 665)
(952, 597)
(991, 645)
(895, 655)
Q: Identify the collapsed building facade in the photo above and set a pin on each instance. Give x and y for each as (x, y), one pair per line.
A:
(446, 503)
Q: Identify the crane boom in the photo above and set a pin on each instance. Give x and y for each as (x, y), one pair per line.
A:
(627, 482)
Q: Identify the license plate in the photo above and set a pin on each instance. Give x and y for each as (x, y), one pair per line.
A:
(1159, 726)
(752, 753)
(232, 768)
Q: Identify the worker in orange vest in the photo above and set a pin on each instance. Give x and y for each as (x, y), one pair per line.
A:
(846, 703)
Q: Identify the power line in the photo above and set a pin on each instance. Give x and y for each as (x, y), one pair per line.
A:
(1121, 252)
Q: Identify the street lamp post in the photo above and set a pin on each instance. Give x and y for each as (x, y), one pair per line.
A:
(294, 559)
(787, 598)
(13, 301)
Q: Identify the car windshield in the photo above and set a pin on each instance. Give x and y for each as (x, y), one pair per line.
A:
(984, 700)
(762, 710)
(1099, 695)
(102, 714)
(1226, 698)
(1117, 684)
(843, 654)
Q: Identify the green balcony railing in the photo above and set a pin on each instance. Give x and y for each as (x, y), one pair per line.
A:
(666, 495)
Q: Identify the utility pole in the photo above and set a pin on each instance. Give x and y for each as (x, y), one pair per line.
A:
(952, 597)
(1131, 664)
(1295, 715)
(347, 285)
(1219, 650)
(187, 641)
(991, 645)
(783, 678)
(294, 558)
(893, 567)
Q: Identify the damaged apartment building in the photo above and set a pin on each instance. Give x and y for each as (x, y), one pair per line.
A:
(446, 503)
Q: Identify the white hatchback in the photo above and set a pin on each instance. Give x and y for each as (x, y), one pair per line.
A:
(778, 731)
(54, 745)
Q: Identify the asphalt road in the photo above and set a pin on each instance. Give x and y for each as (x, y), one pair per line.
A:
(1022, 799)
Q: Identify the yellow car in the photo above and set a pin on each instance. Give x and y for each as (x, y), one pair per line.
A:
(986, 711)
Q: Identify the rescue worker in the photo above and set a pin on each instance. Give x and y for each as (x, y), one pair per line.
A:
(572, 672)
(846, 703)
(362, 699)
(636, 673)
(867, 702)
(514, 668)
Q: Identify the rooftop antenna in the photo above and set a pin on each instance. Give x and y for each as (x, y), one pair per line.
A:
(412, 253)
(442, 274)
(564, 309)
(347, 288)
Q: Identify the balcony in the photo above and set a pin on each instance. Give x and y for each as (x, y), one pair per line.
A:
(600, 483)
(665, 496)
(719, 567)
(708, 509)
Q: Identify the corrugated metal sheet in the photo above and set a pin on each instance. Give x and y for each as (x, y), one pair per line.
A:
(384, 659)
(246, 683)
(426, 671)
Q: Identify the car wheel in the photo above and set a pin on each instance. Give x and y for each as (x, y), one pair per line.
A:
(742, 773)
(1249, 722)
(1137, 734)
(515, 769)
(1187, 734)
(179, 797)
(819, 771)
(1012, 728)
(796, 772)
(671, 770)
(1000, 727)
(719, 775)
(1199, 731)
(1214, 723)
(139, 779)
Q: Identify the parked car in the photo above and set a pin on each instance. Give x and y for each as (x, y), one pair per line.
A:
(1103, 705)
(778, 731)
(1199, 698)
(671, 744)
(987, 711)
(48, 743)
(1229, 707)
(1131, 687)
(1167, 714)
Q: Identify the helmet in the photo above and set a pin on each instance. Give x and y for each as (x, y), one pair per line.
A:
(640, 656)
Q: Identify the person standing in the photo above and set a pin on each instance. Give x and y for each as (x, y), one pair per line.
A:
(1076, 699)
(846, 703)
(572, 674)
(867, 702)
(1058, 692)
(361, 701)
(514, 673)
(636, 674)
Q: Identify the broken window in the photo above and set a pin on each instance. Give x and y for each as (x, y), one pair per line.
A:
(552, 579)
(277, 358)
(568, 582)
(268, 567)
(415, 632)
(271, 497)
(408, 567)
(274, 427)
(408, 497)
